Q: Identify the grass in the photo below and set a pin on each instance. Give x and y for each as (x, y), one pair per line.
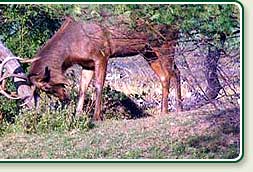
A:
(156, 137)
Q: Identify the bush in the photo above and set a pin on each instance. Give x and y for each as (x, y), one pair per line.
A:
(50, 116)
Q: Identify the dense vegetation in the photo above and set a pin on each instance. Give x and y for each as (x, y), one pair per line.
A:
(24, 28)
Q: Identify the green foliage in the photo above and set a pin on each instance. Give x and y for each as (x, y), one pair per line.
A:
(8, 108)
(206, 18)
(50, 116)
(195, 21)
(24, 28)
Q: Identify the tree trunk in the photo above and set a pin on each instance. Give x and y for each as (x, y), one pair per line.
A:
(211, 64)
(22, 86)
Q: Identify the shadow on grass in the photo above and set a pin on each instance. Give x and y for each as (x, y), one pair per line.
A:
(227, 120)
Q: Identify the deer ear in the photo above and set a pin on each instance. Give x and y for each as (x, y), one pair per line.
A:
(47, 75)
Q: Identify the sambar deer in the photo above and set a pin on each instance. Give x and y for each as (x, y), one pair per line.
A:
(90, 45)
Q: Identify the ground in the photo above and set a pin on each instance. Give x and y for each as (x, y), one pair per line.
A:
(199, 134)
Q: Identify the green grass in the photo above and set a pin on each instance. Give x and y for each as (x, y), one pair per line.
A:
(157, 137)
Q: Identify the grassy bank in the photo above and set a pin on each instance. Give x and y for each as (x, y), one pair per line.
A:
(202, 134)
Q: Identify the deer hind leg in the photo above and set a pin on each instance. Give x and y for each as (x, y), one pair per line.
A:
(165, 71)
(86, 76)
(176, 74)
(165, 81)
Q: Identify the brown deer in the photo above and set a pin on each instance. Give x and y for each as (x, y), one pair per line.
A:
(90, 45)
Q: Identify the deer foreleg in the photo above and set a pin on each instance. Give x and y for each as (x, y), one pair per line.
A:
(100, 73)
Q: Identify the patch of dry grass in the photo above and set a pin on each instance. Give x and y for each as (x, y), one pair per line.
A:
(202, 134)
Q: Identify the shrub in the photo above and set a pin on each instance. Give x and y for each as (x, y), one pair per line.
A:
(50, 116)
